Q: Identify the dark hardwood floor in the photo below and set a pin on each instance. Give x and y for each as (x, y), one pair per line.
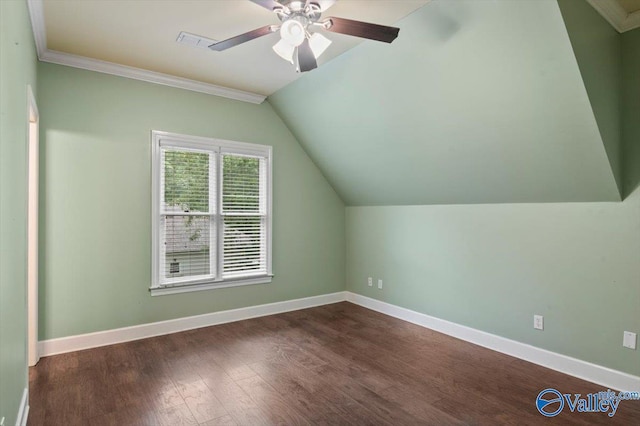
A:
(336, 364)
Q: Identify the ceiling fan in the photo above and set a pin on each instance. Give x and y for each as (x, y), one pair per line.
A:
(300, 43)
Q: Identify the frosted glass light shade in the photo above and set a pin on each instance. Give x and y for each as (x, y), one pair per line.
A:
(318, 44)
(292, 32)
(284, 50)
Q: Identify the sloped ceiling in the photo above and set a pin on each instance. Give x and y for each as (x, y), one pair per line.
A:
(598, 50)
(476, 102)
(630, 6)
(631, 110)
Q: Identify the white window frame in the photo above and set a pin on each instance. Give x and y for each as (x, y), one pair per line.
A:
(218, 147)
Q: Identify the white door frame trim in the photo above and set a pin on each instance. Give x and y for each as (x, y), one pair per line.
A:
(33, 160)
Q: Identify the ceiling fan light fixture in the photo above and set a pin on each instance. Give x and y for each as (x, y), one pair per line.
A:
(292, 32)
(284, 50)
(319, 44)
(297, 44)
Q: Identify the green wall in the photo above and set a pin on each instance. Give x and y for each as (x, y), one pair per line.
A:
(17, 69)
(475, 102)
(597, 48)
(488, 266)
(492, 267)
(631, 109)
(96, 203)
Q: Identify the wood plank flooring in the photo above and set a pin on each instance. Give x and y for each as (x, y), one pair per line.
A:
(338, 364)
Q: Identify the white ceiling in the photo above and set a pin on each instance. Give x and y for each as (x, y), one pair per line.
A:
(142, 34)
(630, 6)
(623, 15)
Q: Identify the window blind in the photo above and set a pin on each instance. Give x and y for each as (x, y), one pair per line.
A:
(187, 216)
(244, 212)
(211, 213)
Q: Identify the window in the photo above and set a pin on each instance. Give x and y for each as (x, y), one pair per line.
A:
(211, 213)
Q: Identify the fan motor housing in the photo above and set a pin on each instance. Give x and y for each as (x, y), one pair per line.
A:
(295, 8)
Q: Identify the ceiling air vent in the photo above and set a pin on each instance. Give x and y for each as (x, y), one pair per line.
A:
(194, 40)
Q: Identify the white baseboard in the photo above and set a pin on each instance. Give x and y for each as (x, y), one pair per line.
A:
(604, 376)
(23, 411)
(607, 377)
(136, 332)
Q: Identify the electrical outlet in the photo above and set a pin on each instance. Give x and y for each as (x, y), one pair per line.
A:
(629, 340)
(370, 282)
(538, 322)
(380, 284)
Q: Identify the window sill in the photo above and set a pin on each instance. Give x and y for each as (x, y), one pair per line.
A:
(188, 288)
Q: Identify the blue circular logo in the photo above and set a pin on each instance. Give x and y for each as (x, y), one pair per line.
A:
(546, 400)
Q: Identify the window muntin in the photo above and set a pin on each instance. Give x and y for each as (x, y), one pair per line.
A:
(244, 211)
(211, 213)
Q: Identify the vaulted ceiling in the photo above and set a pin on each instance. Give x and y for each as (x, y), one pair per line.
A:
(630, 6)
(477, 102)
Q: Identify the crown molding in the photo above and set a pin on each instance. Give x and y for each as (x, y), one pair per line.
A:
(36, 12)
(616, 15)
(111, 68)
(632, 22)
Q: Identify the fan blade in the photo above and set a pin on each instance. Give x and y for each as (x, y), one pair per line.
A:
(306, 59)
(363, 29)
(267, 4)
(322, 4)
(242, 38)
